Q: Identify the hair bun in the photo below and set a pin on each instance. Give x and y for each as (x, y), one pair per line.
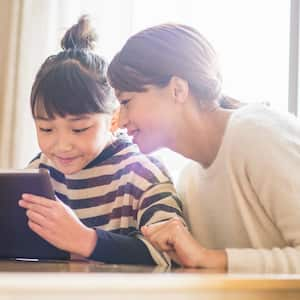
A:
(80, 35)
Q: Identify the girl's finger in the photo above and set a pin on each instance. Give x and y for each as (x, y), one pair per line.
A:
(41, 231)
(37, 218)
(42, 210)
(38, 200)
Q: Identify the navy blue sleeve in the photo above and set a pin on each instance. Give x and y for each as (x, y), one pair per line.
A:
(116, 248)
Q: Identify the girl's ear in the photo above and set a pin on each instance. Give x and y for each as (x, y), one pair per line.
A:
(115, 120)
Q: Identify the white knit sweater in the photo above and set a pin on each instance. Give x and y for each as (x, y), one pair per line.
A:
(248, 200)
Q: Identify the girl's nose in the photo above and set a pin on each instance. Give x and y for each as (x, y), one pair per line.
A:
(64, 144)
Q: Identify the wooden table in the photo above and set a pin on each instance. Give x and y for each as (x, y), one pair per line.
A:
(91, 280)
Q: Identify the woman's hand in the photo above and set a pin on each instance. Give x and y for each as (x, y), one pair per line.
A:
(173, 237)
(57, 223)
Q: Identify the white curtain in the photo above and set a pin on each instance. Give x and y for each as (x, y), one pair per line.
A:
(26, 38)
(29, 30)
(10, 25)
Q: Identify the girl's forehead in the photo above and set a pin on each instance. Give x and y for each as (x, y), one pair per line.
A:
(44, 112)
(40, 111)
(70, 118)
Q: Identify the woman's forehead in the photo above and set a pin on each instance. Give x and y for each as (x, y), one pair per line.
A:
(124, 94)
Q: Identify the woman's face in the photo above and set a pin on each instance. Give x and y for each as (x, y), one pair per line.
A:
(147, 117)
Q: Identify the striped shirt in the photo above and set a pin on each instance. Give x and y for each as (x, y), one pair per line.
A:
(117, 193)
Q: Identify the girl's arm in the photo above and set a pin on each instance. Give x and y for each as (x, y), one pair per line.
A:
(57, 223)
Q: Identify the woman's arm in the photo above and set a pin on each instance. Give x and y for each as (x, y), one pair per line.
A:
(272, 163)
(174, 238)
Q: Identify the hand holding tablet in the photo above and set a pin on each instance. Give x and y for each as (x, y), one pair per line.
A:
(17, 239)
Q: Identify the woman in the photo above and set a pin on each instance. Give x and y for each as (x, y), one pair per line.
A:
(241, 192)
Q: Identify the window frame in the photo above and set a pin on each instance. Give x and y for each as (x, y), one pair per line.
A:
(293, 78)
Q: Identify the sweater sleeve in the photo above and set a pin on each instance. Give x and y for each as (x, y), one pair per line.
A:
(158, 203)
(120, 249)
(272, 164)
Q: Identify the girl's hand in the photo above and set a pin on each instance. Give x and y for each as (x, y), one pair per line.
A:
(57, 223)
(174, 238)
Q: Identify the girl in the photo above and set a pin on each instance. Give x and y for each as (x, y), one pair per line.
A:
(241, 192)
(106, 188)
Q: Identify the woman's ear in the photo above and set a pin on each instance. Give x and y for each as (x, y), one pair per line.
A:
(115, 120)
(180, 89)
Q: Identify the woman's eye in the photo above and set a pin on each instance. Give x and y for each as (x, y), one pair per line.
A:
(47, 130)
(125, 102)
(80, 130)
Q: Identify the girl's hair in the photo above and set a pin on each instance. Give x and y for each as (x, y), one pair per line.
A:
(74, 80)
(154, 55)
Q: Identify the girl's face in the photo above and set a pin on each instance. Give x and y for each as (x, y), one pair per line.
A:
(147, 116)
(71, 142)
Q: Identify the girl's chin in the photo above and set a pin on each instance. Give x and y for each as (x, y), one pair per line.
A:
(68, 170)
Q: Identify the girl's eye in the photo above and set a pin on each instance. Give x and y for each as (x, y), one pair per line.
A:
(80, 130)
(47, 130)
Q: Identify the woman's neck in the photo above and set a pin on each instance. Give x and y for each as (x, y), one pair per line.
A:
(199, 134)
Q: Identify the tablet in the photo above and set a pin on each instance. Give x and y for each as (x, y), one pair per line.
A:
(17, 240)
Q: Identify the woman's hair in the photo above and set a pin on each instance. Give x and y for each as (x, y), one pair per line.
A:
(154, 55)
(74, 80)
